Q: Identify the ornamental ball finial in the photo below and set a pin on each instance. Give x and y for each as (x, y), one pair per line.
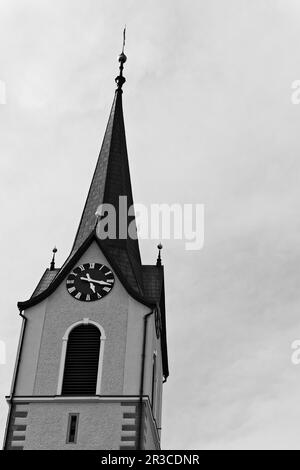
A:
(158, 262)
(122, 58)
(52, 264)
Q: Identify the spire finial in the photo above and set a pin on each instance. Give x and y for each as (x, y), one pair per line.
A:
(160, 247)
(120, 80)
(124, 39)
(52, 264)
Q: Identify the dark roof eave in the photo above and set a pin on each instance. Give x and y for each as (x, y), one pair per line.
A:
(23, 305)
(164, 345)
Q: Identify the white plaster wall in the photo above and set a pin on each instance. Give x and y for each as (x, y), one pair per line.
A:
(134, 347)
(63, 310)
(99, 426)
(150, 442)
(30, 349)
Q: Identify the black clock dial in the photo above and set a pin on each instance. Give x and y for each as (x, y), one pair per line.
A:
(90, 281)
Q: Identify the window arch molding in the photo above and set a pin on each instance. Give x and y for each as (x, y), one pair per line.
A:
(84, 321)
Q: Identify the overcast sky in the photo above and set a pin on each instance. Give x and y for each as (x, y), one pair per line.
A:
(209, 120)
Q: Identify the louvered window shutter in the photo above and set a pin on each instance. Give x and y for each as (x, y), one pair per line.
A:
(81, 364)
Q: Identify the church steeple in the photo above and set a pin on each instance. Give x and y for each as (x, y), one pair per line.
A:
(92, 356)
(111, 181)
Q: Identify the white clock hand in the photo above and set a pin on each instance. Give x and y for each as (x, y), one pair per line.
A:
(89, 279)
(92, 287)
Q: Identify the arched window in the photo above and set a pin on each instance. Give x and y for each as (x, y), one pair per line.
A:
(81, 364)
(81, 360)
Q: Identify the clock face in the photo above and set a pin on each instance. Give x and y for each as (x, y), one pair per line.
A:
(90, 281)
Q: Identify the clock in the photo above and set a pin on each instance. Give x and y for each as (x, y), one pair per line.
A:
(90, 281)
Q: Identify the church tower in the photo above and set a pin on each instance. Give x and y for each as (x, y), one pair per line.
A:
(92, 355)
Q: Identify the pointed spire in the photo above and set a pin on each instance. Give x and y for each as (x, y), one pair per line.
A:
(111, 181)
(160, 247)
(52, 264)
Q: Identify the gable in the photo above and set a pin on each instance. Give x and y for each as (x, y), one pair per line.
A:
(41, 294)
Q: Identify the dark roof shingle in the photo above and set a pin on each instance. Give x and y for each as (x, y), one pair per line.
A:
(46, 279)
(152, 280)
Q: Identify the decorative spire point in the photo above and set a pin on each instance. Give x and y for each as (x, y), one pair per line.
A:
(160, 247)
(52, 264)
(120, 80)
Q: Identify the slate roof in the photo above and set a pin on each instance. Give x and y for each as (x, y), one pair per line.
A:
(153, 281)
(45, 281)
(111, 180)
